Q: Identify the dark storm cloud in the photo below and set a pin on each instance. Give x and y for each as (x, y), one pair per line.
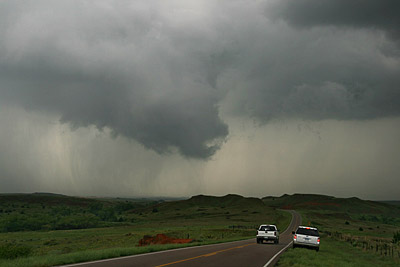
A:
(372, 14)
(158, 72)
(343, 69)
(112, 66)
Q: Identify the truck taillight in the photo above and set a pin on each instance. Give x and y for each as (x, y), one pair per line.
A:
(295, 237)
(318, 240)
(275, 233)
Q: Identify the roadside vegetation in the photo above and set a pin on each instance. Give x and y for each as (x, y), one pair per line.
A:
(352, 231)
(117, 225)
(333, 253)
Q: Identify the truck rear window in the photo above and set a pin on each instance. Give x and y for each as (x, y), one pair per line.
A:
(305, 231)
(267, 228)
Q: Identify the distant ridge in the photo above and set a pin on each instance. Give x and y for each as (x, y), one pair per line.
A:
(230, 199)
(48, 194)
(315, 201)
(48, 198)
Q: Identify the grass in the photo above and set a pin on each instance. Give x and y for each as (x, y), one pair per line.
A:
(333, 253)
(90, 255)
(204, 219)
(351, 231)
(345, 224)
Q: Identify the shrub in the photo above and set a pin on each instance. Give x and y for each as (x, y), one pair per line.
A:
(396, 237)
(10, 251)
(95, 207)
(360, 229)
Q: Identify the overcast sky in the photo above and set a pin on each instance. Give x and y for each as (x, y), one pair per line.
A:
(177, 98)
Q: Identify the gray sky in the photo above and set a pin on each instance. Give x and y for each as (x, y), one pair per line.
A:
(175, 98)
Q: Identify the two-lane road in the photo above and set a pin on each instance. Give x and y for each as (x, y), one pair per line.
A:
(240, 253)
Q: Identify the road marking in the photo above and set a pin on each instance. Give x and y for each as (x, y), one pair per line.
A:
(277, 254)
(298, 220)
(189, 259)
(204, 255)
(151, 253)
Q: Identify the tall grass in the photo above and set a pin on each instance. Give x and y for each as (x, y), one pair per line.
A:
(334, 253)
(91, 255)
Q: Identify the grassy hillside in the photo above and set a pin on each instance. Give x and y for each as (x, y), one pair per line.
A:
(44, 211)
(322, 202)
(391, 202)
(350, 228)
(46, 229)
(351, 216)
(231, 209)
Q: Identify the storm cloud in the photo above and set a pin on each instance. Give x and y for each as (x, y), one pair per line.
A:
(121, 66)
(368, 14)
(160, 73)
(322, 60)
(175, 98)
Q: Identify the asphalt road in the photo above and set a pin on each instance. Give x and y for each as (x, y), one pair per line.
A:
(240, 253)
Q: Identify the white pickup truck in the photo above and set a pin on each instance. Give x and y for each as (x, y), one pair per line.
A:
(267, 232)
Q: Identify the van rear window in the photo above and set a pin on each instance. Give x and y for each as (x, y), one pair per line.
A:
(305, 231)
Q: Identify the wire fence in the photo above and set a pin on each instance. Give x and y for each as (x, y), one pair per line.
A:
(380, 246)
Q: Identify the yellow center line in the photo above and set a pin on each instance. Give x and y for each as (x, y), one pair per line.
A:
(204, 255)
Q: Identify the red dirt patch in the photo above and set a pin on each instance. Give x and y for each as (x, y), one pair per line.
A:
(161, 239)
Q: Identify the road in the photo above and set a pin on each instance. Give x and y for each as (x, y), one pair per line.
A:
(240, 253)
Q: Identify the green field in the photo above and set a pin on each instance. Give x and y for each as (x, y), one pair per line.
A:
(118, 225)
(48, 229)
(354, 232)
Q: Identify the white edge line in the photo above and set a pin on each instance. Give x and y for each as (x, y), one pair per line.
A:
(277, 254)
(150, 253)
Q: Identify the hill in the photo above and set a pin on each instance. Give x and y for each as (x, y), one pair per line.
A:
(45, 199)
(228, 201)
(351, 205)
(391, 202)
(46, 211)
(233, 209)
